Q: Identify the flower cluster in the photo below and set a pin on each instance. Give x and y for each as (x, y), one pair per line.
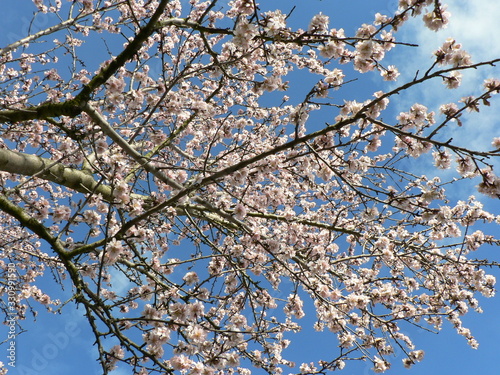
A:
(203, 217)
(451, 53)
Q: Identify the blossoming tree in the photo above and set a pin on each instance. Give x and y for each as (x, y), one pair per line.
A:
(183, 167)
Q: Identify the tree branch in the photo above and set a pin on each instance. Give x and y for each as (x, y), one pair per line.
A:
(50, 170)
(74, 107)
(32, 224)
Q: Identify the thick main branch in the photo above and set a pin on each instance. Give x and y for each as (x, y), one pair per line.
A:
(32, 165)
(74, 107)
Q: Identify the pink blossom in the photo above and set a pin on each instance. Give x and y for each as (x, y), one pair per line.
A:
(241, 7)
(379, 365)
(121, 192)
(319, 23)
(437, 19)
(442, 159)
(335, 77)
(333, 49)
(244, 32)
(91, 217)
(390, 74)
(453, 80)
(496, 142)
(61, 213)
(113, 250)
(191, 278)
(275, 22)
(240, 211)
(215, 212)
(180, 362)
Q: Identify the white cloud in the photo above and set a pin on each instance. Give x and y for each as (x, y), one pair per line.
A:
(474, 24)
(119, 281)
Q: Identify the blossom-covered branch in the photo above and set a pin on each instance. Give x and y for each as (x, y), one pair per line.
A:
(208, 183)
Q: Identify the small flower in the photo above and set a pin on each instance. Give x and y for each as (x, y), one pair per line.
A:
(319, 23)
(180, 362)
(390, 74)
(453, 80)
(91, 217)
(244, 33)
(61, 213)
(335, 77)
(442, 159)
(417, 355)
(437, 19)
(121, 192)
(496, 143)
(379, 365)
(114, 249)
(275, 22)
(101, 146)
(240, 211)
(493, 85)
(191, 278)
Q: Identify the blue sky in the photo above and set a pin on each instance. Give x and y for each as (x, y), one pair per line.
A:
(62, 344)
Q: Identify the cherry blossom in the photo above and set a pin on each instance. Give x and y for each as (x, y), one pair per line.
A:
(207, 186)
